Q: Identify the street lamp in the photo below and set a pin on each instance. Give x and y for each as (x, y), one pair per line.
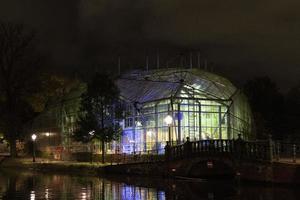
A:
(33, 137)
(168, 120)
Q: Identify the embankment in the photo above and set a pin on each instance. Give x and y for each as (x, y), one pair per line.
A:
(282, 173)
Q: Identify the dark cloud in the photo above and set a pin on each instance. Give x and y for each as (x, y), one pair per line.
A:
(242, 38)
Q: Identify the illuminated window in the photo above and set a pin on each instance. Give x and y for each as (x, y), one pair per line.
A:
(128, 122)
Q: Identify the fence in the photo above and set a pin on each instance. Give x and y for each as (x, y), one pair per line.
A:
(259, 150)
(149, 156)
(263, 150)
(239, 149)
(286, 152)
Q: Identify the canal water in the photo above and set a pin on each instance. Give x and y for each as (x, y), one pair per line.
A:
(33, 186)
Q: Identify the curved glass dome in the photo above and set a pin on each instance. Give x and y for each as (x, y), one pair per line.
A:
(144, 86)
(202, 105)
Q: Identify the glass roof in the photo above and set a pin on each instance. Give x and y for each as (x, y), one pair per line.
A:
(143, 86)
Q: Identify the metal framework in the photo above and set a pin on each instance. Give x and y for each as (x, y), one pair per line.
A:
(202, 105)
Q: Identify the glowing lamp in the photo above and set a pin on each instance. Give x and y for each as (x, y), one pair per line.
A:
(168, 120)
(149, 133)
(33, 137)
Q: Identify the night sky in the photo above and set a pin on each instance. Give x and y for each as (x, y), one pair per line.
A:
(240, 39)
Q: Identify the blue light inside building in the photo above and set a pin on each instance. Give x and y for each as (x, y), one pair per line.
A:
(130, 192)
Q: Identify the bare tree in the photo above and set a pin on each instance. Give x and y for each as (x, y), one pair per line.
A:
(19, 80)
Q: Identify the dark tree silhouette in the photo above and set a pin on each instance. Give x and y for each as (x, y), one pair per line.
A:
(293, 111)
(267, 105)
(18, 80)
(100, 111)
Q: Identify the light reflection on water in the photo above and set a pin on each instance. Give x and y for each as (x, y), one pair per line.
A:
(34, 186)
(32, 195)
(31, 186)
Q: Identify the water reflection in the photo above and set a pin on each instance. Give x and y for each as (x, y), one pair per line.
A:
(32, 195)
(33, 186)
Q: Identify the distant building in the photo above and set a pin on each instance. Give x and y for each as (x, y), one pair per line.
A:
(162, 105)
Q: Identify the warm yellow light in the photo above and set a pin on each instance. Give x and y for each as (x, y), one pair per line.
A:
(168, 120)
(149, 133)
(33, 137)
(47, 134)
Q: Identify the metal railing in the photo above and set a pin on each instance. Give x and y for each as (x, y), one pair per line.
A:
(238, 149)
(259, 150)
(149, 156)
(286, 152)
(263, 150)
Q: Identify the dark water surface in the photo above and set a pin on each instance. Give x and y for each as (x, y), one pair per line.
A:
(29, 185)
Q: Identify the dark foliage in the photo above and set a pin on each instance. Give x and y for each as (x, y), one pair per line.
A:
(267, 105)
(100, 111)
(19, 80)
(293, 111)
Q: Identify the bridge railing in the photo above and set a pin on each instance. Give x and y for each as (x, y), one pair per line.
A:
(256, 150)
(239, 149)
(203, 146)
(286, 151)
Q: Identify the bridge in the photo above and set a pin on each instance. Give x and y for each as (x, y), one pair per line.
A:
(229, 149)
(262, 160)
(238, 150)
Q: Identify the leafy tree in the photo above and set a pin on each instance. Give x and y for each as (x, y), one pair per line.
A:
(267, 105)
(100, 111)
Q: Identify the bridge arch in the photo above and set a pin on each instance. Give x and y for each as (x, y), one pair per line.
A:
(211, 167)
(204, 167)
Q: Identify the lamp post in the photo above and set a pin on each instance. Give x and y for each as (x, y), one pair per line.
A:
(168, 120)
(33, 137)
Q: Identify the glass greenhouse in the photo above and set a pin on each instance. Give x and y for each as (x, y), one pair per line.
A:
(173, 104)
(161, 105)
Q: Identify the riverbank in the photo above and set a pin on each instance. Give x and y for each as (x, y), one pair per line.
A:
(278, 173)
(87, 168)
(82, 168)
